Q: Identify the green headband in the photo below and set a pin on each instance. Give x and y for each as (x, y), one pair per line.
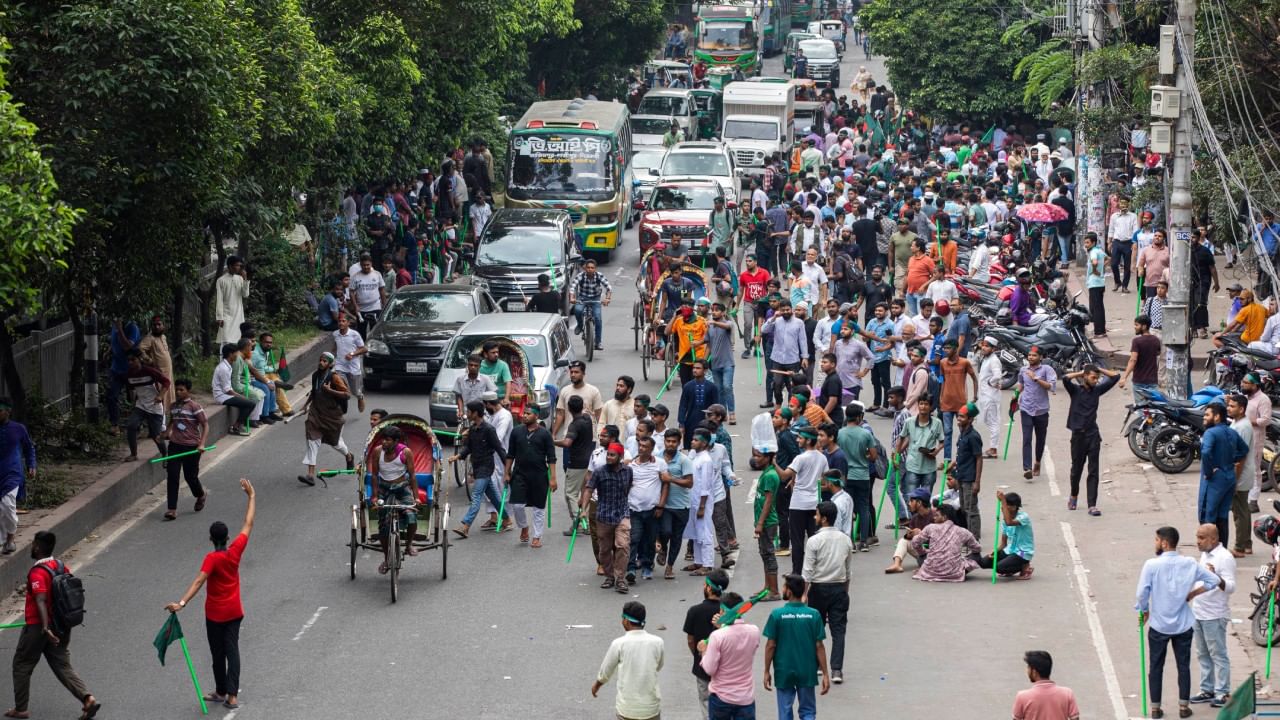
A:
(714, 586)
(632, 620)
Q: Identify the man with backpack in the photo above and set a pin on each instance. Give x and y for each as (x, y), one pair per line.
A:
(55, 604)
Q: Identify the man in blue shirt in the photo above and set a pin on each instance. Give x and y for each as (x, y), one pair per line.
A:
(1168, 583)
(1269, 232)
(17, 465)
(961, 329)
(1220, 449)
(124, 336)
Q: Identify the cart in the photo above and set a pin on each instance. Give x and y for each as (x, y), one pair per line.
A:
(655, 342)
(432, 504)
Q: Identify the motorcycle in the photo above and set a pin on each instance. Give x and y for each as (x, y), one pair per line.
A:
(1266, 529)
(1152, 410)
(1062, 338)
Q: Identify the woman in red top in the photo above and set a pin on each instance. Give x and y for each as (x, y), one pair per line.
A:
(222, 609)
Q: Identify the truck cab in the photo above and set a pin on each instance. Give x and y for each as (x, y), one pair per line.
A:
(758, 121)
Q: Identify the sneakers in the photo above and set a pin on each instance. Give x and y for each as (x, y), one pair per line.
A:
(1095, 512)
(1203, 697)
(631, 576)
(782, 552)
(9, 547)
(837, 677)
(1220, 701)
(646, 574)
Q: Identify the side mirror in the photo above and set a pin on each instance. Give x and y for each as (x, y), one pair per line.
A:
(562, 363)
(654, 172)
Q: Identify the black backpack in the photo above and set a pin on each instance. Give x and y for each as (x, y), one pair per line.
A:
(67, 594)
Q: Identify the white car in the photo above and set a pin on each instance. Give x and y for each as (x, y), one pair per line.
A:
(701, 160)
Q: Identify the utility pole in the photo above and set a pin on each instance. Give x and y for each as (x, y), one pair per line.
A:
(1177, 313)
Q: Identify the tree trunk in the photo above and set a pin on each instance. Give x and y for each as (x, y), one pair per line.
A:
(12, 378)
(76, 379)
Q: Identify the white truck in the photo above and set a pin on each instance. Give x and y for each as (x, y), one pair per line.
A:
(759, 119)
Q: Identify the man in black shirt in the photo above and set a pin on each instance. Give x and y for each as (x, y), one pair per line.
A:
(698, 625)
(865, 231)
(967, 469)
(480, 443)
(1204, 274)
(579, 438)
(874, 291)
(547, 300)
(832, 392)
(531, 462)
(1085, 387)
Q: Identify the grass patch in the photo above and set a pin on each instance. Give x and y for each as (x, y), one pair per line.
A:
(49, 489)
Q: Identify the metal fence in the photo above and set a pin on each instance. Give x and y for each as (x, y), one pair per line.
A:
(44, 362)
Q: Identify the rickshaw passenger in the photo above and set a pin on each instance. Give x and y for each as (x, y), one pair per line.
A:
(394, 483)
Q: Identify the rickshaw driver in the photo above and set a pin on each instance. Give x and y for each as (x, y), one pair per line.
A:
(676, 290)
(394, 483)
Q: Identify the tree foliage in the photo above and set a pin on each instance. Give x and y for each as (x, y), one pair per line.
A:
(611, 37)
(945, 58)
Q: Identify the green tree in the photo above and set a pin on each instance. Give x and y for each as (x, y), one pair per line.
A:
(610, 40)
(945, 58)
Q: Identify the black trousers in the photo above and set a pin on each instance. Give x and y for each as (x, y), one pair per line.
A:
(188, 466)
(1006, 564)
(670, 530)
(1097, 311)
(1085, 445)
(782, 383)
(801, 524)
(244, 406)
(880, 383)
(1037, 425)
(224, 645)
(783, 503)
(831, 600)
(1121, 259)
(1158, 643)
(1199, 307)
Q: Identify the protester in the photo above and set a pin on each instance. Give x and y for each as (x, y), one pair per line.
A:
(1221, 449)
(828, 558)
(1045, 699)
(636, 658)
(1035, 382)
(1258, 412)
(802, 476)
(642, 501)
(967, 470)
(728, 656)
(1086, 387)
(1017, 540)
(1245, 475)
(1144, 360)
(794, 653)
(485, 449)
(326, 409)
(349, 348)
(951, 548)
(700, 529)
(698, 626)
(223, 611)
(187, 432)
(861, 452)
(1212, 616)
(147, 388)
(531, 467)
(17, 466)
(155, 353)
(612, 485)
(918, 447)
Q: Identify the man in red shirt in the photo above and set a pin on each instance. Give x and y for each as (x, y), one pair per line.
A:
(41, 635)
(1045, 699)
(222, 609)
(752, 286)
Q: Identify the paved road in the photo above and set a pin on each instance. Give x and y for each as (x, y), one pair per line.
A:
(493, 640)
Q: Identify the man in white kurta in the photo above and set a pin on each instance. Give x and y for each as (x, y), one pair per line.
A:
(701, 530)
(990, 376)
(230, 293)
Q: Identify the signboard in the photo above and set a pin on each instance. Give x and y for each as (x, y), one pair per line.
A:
(555, 149)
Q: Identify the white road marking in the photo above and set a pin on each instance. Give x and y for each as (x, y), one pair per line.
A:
(307, 625)
(1048, 470)
(1095, 625)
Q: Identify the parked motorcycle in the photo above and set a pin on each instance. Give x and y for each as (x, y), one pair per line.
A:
(1266, 529)
(1062, 338)
(1151, 415)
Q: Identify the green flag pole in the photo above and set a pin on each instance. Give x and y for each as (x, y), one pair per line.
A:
(182, 454)
(1137, 310)
(759, 365)
(995, 545)
(1271, 624)
(897, 519)
(10, 626)
(946, 465)
(670, 377)
(856, 520)
(551, 264)
(1142, 659)
(884, 492)
(502, 509)
(331, 473)
(573, 540)
(186, 654)
(1009, 434)
(729, 616)
(444, 432)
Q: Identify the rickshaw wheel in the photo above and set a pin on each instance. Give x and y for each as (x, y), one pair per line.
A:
(355, 550)
(645, 353)
(444, 557)
(635, 322)
(394, 569)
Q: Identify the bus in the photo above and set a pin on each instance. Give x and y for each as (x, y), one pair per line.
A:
(727, 36)
(803, 12)
(575, 155)
(775, 23)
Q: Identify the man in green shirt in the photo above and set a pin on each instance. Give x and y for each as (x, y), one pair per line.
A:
(919, 445)
(859, 447)
(672, 136)
(766, 516)
(900, 250)
(795, 652)
(496, 368)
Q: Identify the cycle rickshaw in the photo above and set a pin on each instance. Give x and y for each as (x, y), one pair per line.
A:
(432, 505)
(649, 323)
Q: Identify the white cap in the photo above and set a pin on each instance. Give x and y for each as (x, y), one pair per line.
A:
(991, 341)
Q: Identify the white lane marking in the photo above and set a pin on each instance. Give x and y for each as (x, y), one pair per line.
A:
(1048, 470)
(618, 273)
(307, 625)
(1095, 625)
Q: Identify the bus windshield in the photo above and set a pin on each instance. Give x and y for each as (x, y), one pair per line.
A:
(663, 105)
(726, 36)
(559, 165)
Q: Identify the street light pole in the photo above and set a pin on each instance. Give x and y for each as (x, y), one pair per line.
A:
(1177, 313)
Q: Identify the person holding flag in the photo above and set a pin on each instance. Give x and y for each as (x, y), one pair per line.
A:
(223, 611)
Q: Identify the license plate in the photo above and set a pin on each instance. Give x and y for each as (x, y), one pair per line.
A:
(417, 367)
(515, 305)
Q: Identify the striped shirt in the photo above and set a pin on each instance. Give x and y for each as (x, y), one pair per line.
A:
(589, 287)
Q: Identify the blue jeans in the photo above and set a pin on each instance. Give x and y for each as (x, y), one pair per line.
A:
(268, 397)
(723, 379)
(913, 303)
(911, 481)
(115, 386)
(597, 314)
(1211, 649)
(948, 422)
(787, 699)
(482, 487)
(721, 710)
(1064, 246)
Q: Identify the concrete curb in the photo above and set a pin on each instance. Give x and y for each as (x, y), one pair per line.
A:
(75, 519)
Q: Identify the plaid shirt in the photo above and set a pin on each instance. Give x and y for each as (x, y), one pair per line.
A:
(612, 486)
(590, 288)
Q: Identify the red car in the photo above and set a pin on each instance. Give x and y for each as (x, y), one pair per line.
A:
(682, 206)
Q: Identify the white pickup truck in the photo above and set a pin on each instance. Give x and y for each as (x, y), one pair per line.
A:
(759, 120)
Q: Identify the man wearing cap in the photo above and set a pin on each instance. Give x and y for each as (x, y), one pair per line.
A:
(636, 658)
(921, 516)
(503, 422)
(700, 528)
(1258, 413)
(612, 485)
(325, 409)
(530, 466)
(1085, 388)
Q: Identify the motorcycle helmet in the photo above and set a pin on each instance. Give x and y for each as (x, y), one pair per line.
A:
(1267, 529)
(1023, 273)
(942, 308)
(1004, 317)
(1039, 269)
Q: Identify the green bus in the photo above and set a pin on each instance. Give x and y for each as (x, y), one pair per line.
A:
(727, 37)
(803, 12)
(775, 23)
(575, 155)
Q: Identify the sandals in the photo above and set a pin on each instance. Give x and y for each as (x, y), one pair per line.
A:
(307, 480)
(535, 543)
(1071, 503)
(701, 572)
(90, 710)
(383, 568)
(200, 501)
(214, 697)
(990, 455)
(462, 532)
(608, 583)
(670, 574)
(170, 515)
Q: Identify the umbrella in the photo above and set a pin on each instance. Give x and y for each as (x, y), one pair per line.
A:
(1042, 212)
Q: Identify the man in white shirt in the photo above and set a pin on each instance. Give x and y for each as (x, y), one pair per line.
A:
(759, 198)
(1120, 230)
(816, 290)
(502, 421)
(980, 263)
(1213, 615)
(636, 658)
(349, 347)
(990, 377)
(225, 394)
(646, 487)
(804, 474)
(369, 291)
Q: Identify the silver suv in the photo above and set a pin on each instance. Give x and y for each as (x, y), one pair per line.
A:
(701, 160)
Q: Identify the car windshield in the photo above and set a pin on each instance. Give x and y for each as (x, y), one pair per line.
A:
(803, 122)
(750, 130)
(662, 105)
(554, 165)
(430, 307)
(650, 126)
(516, 245)
(701, 163)
(534, 346)
(684, 198)
(644, 160)
(819, 50)
(726, 36)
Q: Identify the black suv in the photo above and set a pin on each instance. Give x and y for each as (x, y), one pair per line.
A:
(520, 244)
(419, 322)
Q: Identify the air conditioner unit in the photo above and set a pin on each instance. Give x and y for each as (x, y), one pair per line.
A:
(1161, 137)
(1166, 102)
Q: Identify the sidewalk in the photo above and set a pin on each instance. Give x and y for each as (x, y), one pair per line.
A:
(121, 485)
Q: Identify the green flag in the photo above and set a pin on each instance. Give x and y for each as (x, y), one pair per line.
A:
(875, 134)
(988, 136)
(1243, 703)
(171, 632)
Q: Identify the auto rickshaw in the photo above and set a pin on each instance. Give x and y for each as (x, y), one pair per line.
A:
(663, 73)
(719, 76)
(710, 104)
(793, 41)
